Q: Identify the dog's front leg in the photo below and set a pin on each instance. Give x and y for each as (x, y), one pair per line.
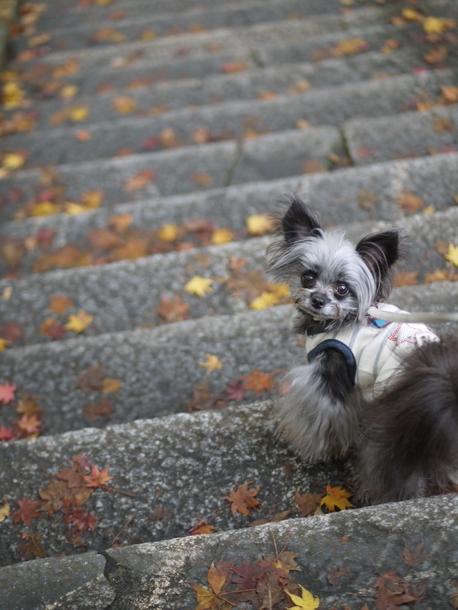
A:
(319, 414)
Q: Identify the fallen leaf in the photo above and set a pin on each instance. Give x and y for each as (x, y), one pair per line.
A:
(414, 558)
(335, 575)
(201, 527)
(28, 405)
(406, 278)
(123, 104)
(259, 382)
(12, 161)
(12, 332)
(3, 344)
(91, 379)
(443, 124)
(121, 222)
(4, 510)
(7, 392)
(259, 224)
(139, 181)
(111, 386)
(411, 14)
(173, 310)
(79, 113)
(410, 202)
(307, 503)
(234, 66)
(202, 178)
(235, 390)
(437, 55)
(367, 199)
(243, 499)
(199, 285)
(81, 520)
(27, 511)
(93, 411)
(222, 236)
(212, 363)
(52, 328)
(60, 303)
(32, 546)
(168, 233)
(452, 255)
(97, 478)
(307, 601)
(29, 425)
(336, 497)
(79, 322)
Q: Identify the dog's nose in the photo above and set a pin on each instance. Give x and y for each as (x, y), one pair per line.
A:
(318, 301)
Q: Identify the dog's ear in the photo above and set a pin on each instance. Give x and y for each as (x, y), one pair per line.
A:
(299, 221)
(380, 251)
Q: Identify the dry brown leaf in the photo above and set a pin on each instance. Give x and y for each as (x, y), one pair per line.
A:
(243, 499)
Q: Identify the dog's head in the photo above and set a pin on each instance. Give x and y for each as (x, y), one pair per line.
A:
(332, 282)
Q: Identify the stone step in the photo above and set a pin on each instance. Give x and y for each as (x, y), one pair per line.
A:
(364, 194)
(125, 295)
(231, 120)
(252, 84)
(182, 465)
(133, 23)
(266, 157)
(68, 16)
(363, 544)
(182, 170)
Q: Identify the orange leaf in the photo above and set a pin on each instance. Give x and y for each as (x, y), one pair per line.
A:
(259, 382)
(201, 178)
(243, 499)
(59, 304)
(139, 181)
(337, 497)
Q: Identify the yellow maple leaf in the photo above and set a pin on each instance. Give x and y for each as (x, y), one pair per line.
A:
(452, 254)
(73, 209)
(12, 95)
(111, 386)
(336, 497)
(4, 510)
(3, 344)
(79, 113)
(222, 236)
(79, 322)
(13, 161)
(124, 104)
(68, 92)
(212, 363)
(434, 25)
(45, 208)
(307, 601)
(412, 15)
(199, 285)
(169, 232)
(265, 300)
(259, 224)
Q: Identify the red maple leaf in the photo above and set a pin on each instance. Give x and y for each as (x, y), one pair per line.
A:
(235, 390)
(97, 478)
(7, 392)
(12, 332)
(82, 461)
(72, 475)
(27, 511)
(81, 519)
(6, 434)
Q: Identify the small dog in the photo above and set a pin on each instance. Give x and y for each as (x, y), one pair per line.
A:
(389, 388)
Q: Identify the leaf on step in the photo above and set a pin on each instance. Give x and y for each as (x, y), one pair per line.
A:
(32, 547)
(222, 236)
(307, 503)
(27, 511)
(7, 393)
(140, 180)
(243, 500)
(97, 478)
(437, 55)
(53, 496)
(29, 425)
(5, 510)
(350, 46)
(79, 322)
(199, 285)
(121, 222)
(440, 275)
(28, 405)
(235, 390)
(259, 224)
(60, 303)
(231, 67)
(212, 363)
(336, 575)
(367, 199)
(3, 344)
(91, 379)
(201, 527)
(336, 497)
(259, 382)
(6, 434)
(93, 411)
(414, 558)
(12, 332)
(81, 520)
(169, 232)
(452, 254)
(201, 178)
(173, 310)
(307, 601)
(406, 278)
(111, 386)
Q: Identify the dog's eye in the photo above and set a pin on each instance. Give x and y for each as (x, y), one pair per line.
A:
(342, 290)
(308, 279)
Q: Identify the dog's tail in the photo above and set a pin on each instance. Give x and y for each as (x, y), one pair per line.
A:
(409, 443)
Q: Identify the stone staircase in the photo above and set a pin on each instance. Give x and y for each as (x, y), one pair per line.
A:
(134, 133)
